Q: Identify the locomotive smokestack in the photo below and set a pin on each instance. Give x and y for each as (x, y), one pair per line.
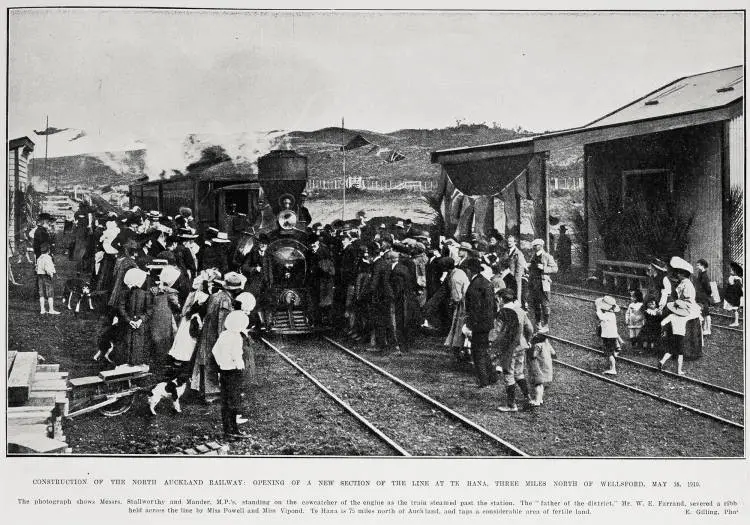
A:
(282, 173)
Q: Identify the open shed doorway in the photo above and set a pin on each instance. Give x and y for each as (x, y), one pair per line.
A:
(647, 189)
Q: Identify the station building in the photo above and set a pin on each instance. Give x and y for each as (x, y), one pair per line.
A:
(663, 175)
(19, 151)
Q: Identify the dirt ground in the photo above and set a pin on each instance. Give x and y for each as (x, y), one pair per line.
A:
(288, 416)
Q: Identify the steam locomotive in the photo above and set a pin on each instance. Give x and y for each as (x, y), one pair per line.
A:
(270, 203)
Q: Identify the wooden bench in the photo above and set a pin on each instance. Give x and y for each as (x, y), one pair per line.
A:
(618, 275)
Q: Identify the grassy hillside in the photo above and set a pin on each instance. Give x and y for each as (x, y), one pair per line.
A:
(93, 170)
(322, 146)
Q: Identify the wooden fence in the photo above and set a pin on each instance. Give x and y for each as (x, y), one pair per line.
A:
(566, 183)
(371, 184)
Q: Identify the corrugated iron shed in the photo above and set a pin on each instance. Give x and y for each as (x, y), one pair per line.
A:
(693, 94)
(700, 92)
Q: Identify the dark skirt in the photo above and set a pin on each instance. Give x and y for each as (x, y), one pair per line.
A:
(693, 340)
(733, 295)
(690, 345)
(105, 278)
(81, 243)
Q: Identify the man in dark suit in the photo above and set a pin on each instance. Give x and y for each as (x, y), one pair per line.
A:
(346, 276)
(480, 319)
(383, 297)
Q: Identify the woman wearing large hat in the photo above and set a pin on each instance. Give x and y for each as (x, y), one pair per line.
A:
(659, 286)
(692, 345)
(675, 325)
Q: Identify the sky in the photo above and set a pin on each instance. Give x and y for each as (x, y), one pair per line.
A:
(128, 77)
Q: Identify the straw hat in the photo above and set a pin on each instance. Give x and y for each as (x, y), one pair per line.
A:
(679, 307)
(157, 264)
(537, 242)
(221, 237)
(659, 265)
(234, 281)
(607, 303)
(678, 263)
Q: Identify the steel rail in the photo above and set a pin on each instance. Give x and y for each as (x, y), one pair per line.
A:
(463, 419)
(589, 290)
(372, 428)
(712, 386)
(723, 327)
(652, 395)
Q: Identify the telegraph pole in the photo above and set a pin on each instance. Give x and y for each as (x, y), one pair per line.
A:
(46, 144)
(343, 152)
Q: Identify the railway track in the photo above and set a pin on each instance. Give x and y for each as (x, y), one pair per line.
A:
(684, 378)
(700, 397)
(653, 395)
(714, 314)
(418, 430)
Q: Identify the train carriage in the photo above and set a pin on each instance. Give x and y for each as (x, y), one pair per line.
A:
(201, 193)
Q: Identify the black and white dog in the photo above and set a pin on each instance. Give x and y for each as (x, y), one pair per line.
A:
(76, 290)
(172, 389)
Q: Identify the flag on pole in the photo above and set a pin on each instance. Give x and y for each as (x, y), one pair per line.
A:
(80, 135)
(51, 130)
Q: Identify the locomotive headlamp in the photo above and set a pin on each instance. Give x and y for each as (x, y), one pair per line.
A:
(287, 219)
(290, 298)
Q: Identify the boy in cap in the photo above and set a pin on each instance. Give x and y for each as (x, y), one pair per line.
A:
(42, 233)
(45, 272)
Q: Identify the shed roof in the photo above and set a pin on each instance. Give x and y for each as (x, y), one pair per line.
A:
(21, 142)
(695, 94)
(710, 90)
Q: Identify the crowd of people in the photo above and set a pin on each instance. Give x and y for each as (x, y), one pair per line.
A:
(188, 302)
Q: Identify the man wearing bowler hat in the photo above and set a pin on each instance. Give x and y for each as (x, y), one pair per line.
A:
(541, 267)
